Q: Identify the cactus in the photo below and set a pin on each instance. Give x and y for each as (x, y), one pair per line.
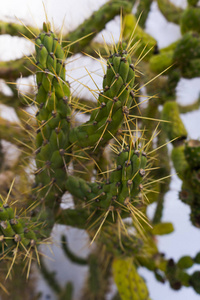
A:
(53, 117)
(114, 103)
(171, 12)
(190, 20)
(187, 55)
(174, 128)
(129, 283)
(107, 186)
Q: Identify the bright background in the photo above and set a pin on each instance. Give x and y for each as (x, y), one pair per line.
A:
(185, 239)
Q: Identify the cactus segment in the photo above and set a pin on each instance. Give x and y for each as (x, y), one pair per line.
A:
(96, 23)
(114, 103)
(162, 228)
(192, 2)
(120, 188)
(147, 44)
(53, 101)
(185, 262)
(194, 281)
(192, 153)
(144, 8)
(187, 55)
(160, 62)
(129, 244)
(179, 161)
(190, 20)
(171, 12)
(129, 283)
(174, 128)
(19, 233)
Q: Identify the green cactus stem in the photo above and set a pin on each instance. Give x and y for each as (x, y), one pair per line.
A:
(21, 234)
(143, 8)
(179, 161)
(192, 153)
(146, 45)
(97, 284)
(161, 62)
(171, 12)
(11, 70)
(70, 255)
(192, 2)
(187, 55)
(53, 117)
(96, 23)
(119, 189)
(130, 284)
(50, 277)
(121, 246)
(194, 281)
(14, 29)
(174, 128)
(190, 20)
(15, 134)
(114, 103)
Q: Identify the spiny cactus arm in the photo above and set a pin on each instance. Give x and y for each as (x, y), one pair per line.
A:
(50, 277)
(143, 9)
(190, 107)
(53, 117)
(116, 297)
(123, 245)
(15, 29)
(163, 172)
(192, 153)
(13, 69)
(9, 100)
(190, 20)
(179, 161)
(192, 2)
(114, 103)
(97, 284)
(70, 255)
(73, 217)
(21, 234)
(13, 133)
(122, 185)
(67, 292)
(187, 55)
(129, 283)
(96, 23)
(174, 128)
(171, 12)
(146, 43)
(161, 62)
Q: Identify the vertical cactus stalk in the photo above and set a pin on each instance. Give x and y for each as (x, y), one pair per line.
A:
(53, 118)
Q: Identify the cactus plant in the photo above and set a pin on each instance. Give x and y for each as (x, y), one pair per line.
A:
(104, 163)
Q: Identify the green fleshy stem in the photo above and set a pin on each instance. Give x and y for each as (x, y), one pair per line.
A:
(70, 255)
(53, 117)
(130, 285)
(15, 233)
(171, 12)
(187, 55)
(114, 103)
(143, 9)
(120, 189)
(174, 126)
(190, 20)
(96, 23)
(147, 44)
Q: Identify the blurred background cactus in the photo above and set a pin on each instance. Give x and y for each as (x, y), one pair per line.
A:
(99, 162)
